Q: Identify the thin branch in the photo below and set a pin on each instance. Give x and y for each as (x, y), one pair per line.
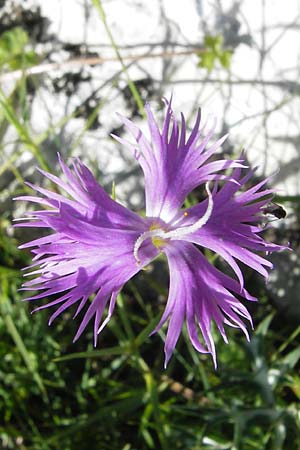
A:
(90, 61)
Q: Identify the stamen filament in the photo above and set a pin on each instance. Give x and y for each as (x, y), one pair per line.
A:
(158, 232)
(178, 232)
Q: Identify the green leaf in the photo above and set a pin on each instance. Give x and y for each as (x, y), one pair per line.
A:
(214, 51)
(225, 59)
(207, 61)
(113, 190)
(214, 43)
(12, 49)
(292, 358)
(13, 42)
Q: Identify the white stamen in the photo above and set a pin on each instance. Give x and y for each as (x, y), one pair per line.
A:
(178, 232)
(158, 232)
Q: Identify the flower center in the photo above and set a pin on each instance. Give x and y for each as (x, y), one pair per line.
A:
(157, 241)
(159, 236)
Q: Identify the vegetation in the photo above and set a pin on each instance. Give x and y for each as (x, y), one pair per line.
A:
(58, 395)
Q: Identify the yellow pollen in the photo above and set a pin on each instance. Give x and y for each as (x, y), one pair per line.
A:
(154, 226)
(185, 214)
(158, 242)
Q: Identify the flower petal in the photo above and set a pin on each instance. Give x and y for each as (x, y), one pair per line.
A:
(86, 197)
(232, 230)
(172, 164)
(200, 294)
(91, 250)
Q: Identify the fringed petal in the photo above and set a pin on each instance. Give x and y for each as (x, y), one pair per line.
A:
(200, 294)
(172, 165)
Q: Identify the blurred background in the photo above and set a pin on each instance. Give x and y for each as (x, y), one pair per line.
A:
(66, 67)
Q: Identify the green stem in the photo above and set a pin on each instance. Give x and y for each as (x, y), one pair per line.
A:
(24, 353)
(133, 89)
(24, 136)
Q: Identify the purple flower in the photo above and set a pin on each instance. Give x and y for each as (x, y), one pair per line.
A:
(98, 244)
